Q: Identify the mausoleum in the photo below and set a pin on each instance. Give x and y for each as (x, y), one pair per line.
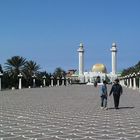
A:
(97, 70)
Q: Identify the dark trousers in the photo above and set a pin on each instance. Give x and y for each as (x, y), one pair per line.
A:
(116, 100)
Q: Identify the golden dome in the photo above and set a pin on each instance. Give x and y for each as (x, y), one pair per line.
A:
(99, 68)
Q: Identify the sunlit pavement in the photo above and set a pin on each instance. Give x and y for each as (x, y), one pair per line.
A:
(67, 113)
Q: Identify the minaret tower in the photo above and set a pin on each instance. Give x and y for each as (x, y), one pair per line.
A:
(114, 58)
(81, 59)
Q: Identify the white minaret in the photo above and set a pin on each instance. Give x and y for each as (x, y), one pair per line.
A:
(114, 58)
(81, 59)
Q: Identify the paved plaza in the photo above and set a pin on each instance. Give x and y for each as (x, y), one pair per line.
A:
(67, 113)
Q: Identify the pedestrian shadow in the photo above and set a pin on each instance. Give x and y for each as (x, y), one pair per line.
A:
(123, 107)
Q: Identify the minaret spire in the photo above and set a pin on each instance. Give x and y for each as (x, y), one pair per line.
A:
(114, 58)
(81, 59)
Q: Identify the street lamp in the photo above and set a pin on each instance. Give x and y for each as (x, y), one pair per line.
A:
(52, 78)
(34, 76)
(20, 82)
(58, 78)
(44, 80)
(63, 81)
(134, 80)
(1, 74)
(138, 74)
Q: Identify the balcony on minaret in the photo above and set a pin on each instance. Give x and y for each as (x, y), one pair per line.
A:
(81, 48)
(114, 48)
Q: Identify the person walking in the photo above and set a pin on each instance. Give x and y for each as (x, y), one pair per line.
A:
(117, 91)
(103, 95)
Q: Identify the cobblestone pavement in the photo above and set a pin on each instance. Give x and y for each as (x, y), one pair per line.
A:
(67, 113)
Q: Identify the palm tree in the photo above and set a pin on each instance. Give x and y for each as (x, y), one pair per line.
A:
(1, 69)
(59, 72)
(132, 69)
(30, 69)
(14, 66)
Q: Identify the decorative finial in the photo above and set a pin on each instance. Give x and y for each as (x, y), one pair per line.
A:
(81, 45)
(113, 44)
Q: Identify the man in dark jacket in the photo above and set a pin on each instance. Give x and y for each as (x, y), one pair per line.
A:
(117, 91)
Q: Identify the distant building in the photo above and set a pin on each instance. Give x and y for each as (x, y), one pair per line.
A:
(70, 73)
(98, 72)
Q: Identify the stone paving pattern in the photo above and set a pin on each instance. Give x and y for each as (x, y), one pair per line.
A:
(67, 113)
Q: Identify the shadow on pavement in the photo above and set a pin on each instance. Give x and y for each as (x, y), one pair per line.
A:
(124, 107)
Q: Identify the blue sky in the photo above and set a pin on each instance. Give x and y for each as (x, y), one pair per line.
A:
(49, 31)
